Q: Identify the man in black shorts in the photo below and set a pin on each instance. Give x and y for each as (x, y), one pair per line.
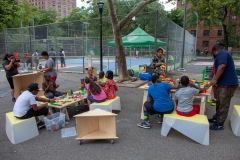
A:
(26, 105)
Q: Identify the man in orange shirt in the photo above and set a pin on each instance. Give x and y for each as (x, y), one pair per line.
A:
(16, 55)
(29, 58)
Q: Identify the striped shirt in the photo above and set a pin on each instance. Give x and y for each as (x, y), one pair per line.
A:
(185, 97)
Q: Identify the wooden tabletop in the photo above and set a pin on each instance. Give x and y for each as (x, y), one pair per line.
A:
(66, 101)
(208, 92)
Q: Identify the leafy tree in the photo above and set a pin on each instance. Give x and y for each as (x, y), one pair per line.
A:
(27, 13)
(176, 15)
(46, 16)
(76, 14)
(8, 13)
(217, 12)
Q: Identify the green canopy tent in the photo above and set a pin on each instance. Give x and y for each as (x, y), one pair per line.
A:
(138, 38)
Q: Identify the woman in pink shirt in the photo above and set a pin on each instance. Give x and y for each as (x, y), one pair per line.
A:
(94, 92)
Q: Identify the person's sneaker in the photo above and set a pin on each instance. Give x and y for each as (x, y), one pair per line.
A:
(213, 104)
(40, 124)
(144, 124)
(216, 126)
(159, 119)
(13, 100)
(211, 101)
(212, 120)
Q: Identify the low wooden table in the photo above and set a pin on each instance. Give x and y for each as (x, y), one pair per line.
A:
(203, 97)
(63, 107)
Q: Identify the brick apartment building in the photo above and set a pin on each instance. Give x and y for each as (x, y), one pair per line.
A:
(63, 7)
(208, 36)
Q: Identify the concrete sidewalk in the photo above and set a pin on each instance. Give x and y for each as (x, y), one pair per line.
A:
(133, 142)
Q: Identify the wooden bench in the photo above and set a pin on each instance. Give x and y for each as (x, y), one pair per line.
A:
(108, 105)
(195, 127)
(235, 120)
(20, 130)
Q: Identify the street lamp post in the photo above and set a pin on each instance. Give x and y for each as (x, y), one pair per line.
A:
(195, 58)
(183, 42)
(100, 7)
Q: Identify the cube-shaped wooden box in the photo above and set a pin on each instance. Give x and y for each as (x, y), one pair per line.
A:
(96, 124)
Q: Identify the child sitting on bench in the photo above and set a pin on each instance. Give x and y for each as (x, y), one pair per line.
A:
(184, 98)
(49, 87)
(102, 78)
(94, 92)
(110, 86)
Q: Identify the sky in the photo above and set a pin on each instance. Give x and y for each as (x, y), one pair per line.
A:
(167, 6)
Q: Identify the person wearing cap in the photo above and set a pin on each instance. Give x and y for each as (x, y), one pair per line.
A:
(221, 45)
(49, 66)
(158, 61)
(26, 105)
(10, 66)
(227, 83)
(158, 101)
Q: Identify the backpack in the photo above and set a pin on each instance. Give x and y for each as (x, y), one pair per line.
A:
(130, 72)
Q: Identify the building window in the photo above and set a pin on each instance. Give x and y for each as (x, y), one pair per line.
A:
(205, 43)
(193, 32)
(234, 17)
(220, 23)
(206, 22)
(219, 33)
(205, 32)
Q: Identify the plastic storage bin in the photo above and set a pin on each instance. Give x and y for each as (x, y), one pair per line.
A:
(54, 121)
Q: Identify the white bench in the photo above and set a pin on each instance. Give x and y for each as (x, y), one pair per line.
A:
(235, 120)
(108, 105)
(195, 127)
(20, 130)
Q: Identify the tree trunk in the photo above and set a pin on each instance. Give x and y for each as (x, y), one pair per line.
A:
(120, 56)
(117, 31)
(225, 36)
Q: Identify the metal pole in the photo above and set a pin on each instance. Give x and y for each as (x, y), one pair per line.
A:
(195, 58)
(101, 56)
(183, 42)
(29, 37)
(83, 45)
(156, 30)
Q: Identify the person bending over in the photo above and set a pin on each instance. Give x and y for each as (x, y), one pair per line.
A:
(158, 101)
(26, 105)
(184, 98)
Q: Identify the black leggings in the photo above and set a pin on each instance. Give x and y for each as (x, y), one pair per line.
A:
(10, 81)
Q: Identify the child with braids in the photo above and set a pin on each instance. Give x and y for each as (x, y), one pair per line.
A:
(94, 92)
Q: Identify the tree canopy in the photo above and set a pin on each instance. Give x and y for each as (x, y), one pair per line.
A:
(218, 13)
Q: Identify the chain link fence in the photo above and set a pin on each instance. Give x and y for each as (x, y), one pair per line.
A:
(79, 39)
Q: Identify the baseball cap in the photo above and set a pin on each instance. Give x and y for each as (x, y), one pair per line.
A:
(34, 86)
(220, 44)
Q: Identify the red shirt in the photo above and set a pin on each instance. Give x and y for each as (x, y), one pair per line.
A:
(213, 69)
(29, 56)
(110, 88)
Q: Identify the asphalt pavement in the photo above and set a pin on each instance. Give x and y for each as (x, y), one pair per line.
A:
(133, 142)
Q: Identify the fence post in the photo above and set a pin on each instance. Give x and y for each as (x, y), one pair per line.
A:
(156, 31)
(83, 44)
(6, 40)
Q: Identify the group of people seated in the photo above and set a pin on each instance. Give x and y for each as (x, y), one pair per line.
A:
(160, 103)
(26, 105)
(99, 91)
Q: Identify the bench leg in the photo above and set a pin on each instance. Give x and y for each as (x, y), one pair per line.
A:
(165, 128)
